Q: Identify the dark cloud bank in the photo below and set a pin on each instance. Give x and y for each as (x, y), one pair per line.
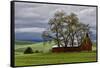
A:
(31, 19)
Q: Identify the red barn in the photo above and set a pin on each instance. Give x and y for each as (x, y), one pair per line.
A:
(86, 45)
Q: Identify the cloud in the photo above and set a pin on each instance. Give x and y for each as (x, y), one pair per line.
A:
(86, 11)
(30, 30)
(93, 31)
(88, 16)
(32, 12)
(33, 17)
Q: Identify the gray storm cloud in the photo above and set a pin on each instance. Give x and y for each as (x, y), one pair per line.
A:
(31, 16)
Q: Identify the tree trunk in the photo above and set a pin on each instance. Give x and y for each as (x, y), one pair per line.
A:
(72, 40)
(58, 40)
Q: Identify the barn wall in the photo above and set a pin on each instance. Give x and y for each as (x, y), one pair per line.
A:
(84, 47)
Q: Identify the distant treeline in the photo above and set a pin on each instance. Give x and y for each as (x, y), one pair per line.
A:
(23, 42)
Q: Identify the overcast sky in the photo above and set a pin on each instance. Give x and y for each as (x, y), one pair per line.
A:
(31, 19)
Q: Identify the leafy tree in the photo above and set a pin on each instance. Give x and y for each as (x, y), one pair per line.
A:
(65, 29)
(56, 24)
(46, 37)
(74, 30)
(28, 50)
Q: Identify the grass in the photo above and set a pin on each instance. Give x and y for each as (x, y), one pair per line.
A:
(48, 57)
(54, 58)
(19, 49)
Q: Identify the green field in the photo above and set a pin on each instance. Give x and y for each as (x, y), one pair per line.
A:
(46, 57)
